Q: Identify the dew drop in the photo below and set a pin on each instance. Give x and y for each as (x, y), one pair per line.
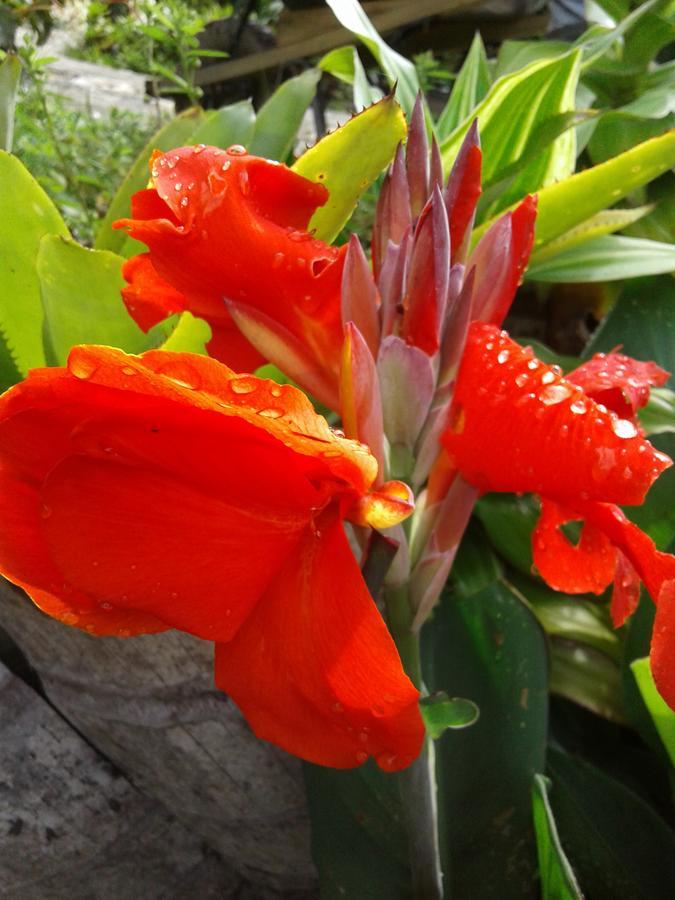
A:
(502, 356)
(184, 201)
(533, 364)
(547, 377)
(521, 380)
(275, 391)
(555, 393)
(271, 412)
(241, 386)
(278, 260)
(623, 428)
(225, 166)
(82, 367)
(178, 186)
(244, 186)
(298, 236)
(127, 370)
(556, 370)
(236, 150)
(578, 407)
(199, 149)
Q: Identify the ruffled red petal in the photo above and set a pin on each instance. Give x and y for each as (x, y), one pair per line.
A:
(585, 567)
(314, 669)
(517, 425)
(618, 382)
(662, 651)
(233, 227)
(148, 298)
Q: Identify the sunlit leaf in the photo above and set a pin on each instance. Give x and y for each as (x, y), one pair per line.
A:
(279, 118)
(10, 72)
(471, 85)
(558, 881)
(662, 715)
(608, 258)
(228, 125)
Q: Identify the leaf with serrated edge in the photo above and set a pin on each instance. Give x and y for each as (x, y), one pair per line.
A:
(350, 158)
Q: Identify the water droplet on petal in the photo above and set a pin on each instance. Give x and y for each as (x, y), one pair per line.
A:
(533, 364)
(502, 356)
(199, 149)
(298, 236)
(522, 379)
(244, 186)
(555, 393)
(278, 260)
(578, 407)
(184, 201)
(236, 150)
(623, 428)
(178, 186)
(271, 412)
(127, 370)
(275, 391)
(242, 386)
(82, 367)
(225, 166)
(547, 377)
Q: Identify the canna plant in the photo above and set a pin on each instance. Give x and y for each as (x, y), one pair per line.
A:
(168, 491)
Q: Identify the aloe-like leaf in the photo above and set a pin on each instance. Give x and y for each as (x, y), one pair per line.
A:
(232, 124)
(511, 115)
(349, 159)
(662, 715)
(605, 222)
(26, 216)
(659, 413)
(608, 258)
(576, 199)
(10, 71)
(399, 70)
(174, 134)
(471, 85)
(558, 881)
(279, 118)
(80, 291)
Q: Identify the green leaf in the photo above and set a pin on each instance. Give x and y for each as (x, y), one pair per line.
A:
(190, 335)
(441, 712)
(662, 715)
(659, 413)
(80, 292)
(344, 63)
(515, 55)
(399, 70)
(359, 845)
(26, 216)
(228, 125)
(175, 133)
(608, 258)
(586, 676)
(564, 205)
(488, 646)
(619, 847)
(10, 72)
(509, 520)
(605, 222)
(618, 131)
(279, 118)
(558, 881)
(510, 116)
(349, 159)
(471, 85)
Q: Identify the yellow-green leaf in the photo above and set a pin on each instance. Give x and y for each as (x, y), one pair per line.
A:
(349, 159)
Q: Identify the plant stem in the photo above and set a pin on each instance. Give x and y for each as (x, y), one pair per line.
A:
(417, 783)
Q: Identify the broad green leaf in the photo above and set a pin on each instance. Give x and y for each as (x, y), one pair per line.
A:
(619, 131)
(344, 63)
(80, 292)
(586, 676)
(659, 413)
(358, 843)
(175, 133)
(661, 713)
(605, 222)
(515, 55)
(509, 520)
(510, 117)
(618, 846)
(638, 637)
(575, 618)
(488, 646)
(558, 881)
(399, 70)
(228, 125)
(441, 712)
(26, 216)
(565, 205)
(190, 335)
(278, 120)
(349, 159)
(608, 258)
(471, 85)
(10, 72)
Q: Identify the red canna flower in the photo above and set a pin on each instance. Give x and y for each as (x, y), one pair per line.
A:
(228, 231)
(165, 491)
(517, 425)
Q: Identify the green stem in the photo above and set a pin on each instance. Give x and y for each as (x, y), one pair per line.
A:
(417, 783)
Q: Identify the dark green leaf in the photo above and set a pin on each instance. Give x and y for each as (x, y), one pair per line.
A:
(488, 647)
(659, 413)
(558, 881)
(509, 520)
(587, 677)
(618, 846)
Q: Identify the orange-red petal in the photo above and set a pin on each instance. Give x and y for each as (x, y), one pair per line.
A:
(662, 651)
(618, 382)
(314, 668)
(226, 225)
(517, 425)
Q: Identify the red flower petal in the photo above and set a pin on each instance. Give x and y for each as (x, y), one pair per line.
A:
(618, 382)
(231, 226)
(148, 298)
(573, 568)
(517, 425)
(626, 592)
(327, 684)
(662, 651)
